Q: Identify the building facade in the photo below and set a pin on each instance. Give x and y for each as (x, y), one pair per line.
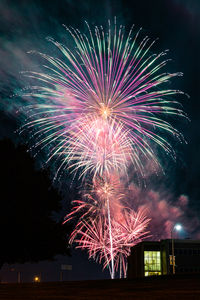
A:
(155, 258)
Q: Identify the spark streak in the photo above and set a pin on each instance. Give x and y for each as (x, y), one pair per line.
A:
(93, 229)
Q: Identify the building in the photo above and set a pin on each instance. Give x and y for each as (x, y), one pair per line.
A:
(155, 258)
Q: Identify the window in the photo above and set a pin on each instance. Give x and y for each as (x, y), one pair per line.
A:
(152, 263)
(152, 273)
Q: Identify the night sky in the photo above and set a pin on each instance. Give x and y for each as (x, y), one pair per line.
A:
(24, 26)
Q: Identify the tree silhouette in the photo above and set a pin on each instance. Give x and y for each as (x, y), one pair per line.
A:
(27, 201)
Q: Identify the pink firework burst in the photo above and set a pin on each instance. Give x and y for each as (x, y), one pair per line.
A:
(93, 229)
(99, 146)
(110, 84)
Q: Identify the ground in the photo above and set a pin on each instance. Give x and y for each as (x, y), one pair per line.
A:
(162, 287)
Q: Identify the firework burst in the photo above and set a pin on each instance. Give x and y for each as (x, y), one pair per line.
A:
(101, 107)
(92, 232)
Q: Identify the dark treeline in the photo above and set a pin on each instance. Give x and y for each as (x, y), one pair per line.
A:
(28, 231)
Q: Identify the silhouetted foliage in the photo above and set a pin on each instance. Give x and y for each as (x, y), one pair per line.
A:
(28, 232)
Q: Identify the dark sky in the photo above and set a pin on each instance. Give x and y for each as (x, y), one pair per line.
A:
(24, 25)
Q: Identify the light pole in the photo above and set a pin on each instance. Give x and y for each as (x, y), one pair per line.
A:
(177, 227)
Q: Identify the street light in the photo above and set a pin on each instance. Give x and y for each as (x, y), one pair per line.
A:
(176, 227)
(36, 279)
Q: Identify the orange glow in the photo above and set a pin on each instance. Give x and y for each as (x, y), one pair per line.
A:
(36, 279)
(105, 112)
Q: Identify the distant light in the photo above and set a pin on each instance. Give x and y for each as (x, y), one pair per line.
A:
(36, 279)
(178, 227)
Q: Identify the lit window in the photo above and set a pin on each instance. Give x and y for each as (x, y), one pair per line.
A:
(152, 264)
(152, 273)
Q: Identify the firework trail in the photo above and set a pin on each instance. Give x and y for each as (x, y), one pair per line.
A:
(100, 110)
(92, 231)
(104, 190)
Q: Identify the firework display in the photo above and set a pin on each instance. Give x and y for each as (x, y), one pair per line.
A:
(100, 109)
(92, 231)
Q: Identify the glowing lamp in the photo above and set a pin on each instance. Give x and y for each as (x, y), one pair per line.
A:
(178, 227)
(36, 279)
